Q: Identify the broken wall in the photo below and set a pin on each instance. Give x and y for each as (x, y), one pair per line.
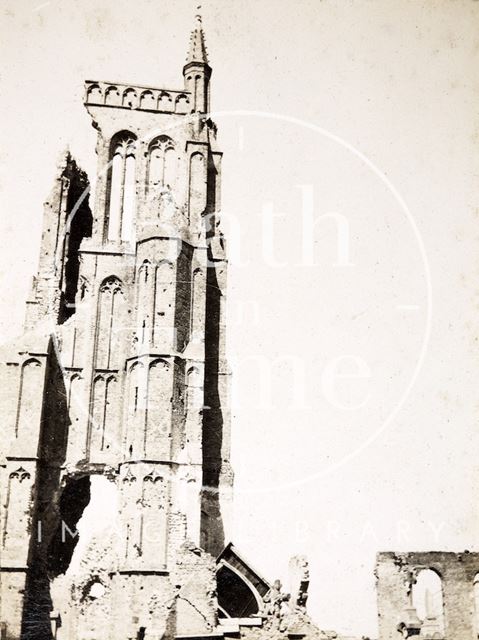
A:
(396, 574)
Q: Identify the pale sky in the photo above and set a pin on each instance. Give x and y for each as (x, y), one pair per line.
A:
(370, 108)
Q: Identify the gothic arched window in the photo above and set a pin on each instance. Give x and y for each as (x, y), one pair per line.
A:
(237, 597)
(110, 324)
(121, 187)
(162, 163)
(428, 602)
(103, 420)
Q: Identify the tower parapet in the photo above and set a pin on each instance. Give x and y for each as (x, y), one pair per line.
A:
(127, 96)
(133, 385)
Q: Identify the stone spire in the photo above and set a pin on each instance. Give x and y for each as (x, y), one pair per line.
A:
(197, 71)
(197, 49)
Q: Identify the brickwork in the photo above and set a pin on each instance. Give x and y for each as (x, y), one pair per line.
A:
(396, 574)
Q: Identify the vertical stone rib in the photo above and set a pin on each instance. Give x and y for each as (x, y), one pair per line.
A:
(122, 193)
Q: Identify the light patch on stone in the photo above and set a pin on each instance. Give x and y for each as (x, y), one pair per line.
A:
(99, 519)
(96, 590)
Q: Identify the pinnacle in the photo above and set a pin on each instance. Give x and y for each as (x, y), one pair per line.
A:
(197, 50)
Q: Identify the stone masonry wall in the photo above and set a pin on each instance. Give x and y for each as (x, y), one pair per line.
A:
(395, 574)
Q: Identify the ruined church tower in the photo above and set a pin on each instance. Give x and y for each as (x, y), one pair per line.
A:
(121, 374)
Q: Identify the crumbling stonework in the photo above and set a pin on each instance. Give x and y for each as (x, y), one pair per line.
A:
(121, 373)
(397, 574)
(120, 377)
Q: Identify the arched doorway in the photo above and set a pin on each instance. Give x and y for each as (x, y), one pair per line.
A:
(427, 599)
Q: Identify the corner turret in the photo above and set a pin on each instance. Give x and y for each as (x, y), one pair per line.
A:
(197, 72)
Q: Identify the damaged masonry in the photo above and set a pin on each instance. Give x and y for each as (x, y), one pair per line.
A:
(117, 395)
(116, 475)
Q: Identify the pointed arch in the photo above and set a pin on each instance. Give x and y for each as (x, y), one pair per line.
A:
(96, 431)
(103, 431)
(427, 599)
(148, 100)
(121, 187)
(181, 103)
(164, 101)
(30, 396)
(112, 96)
(154, 516)
(136, 400)
(128, 214)
(194, 389)
(144, 270)
(94, 94)
(15, 520)
(237, 597)
(130, 98)
(160, 362)
(110, 323)
(162, 164)
(75, 407)
(109, 434)
(130, 521)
